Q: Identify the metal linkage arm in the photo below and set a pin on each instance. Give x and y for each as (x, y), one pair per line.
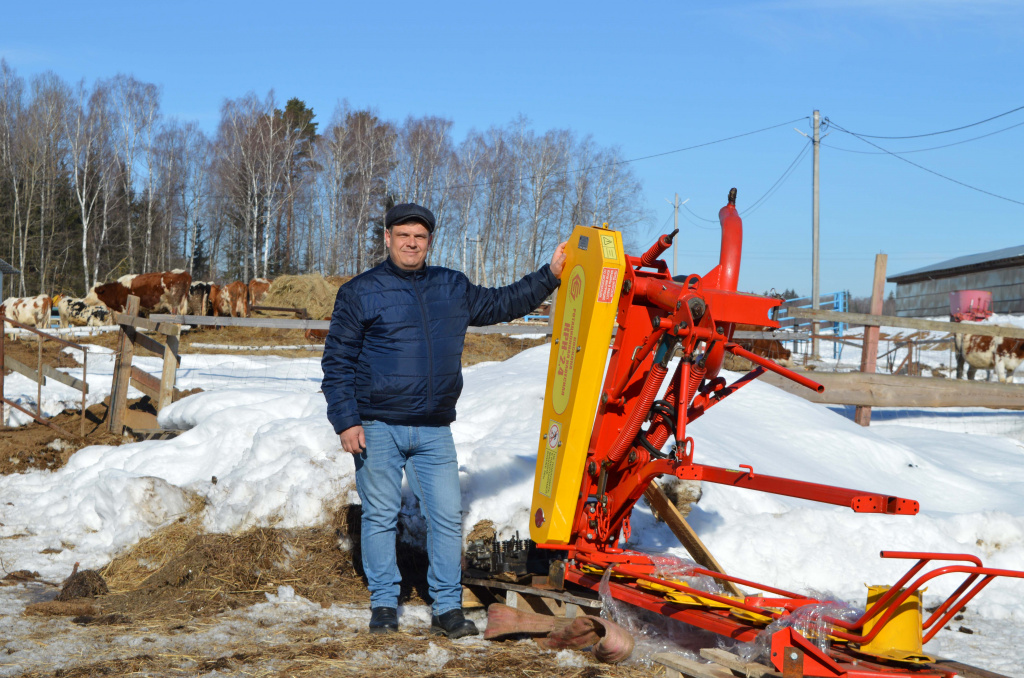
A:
(859, 501)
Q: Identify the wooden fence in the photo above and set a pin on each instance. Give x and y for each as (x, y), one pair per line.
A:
(160, 391)
(43, 372)
(865, 389)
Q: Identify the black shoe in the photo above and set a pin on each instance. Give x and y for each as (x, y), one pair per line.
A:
(383, 620)
(452, 624)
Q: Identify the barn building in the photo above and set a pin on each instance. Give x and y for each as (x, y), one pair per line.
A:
(924, 292)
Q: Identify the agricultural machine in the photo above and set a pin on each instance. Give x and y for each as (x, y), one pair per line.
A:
(606, 423)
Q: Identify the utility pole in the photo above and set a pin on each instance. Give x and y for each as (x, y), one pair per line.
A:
(814, 237)
(675, 247)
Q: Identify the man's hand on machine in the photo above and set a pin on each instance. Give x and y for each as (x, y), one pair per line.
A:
(353, 440)
(558, 260)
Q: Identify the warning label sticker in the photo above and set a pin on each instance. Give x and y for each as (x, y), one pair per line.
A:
(608, 247)
(547, 474)
(609, 280)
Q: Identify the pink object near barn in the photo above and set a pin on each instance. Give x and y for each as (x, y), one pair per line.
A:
(970, 305)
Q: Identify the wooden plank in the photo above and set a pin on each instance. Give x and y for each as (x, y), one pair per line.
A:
(888, 390)
(275, 323)
(685, 534)
(689, 667)
(912, 323)
(149, 344)
(149, 324)
(594, 603)
(511, 329)
(734, 663)
(66, 379)
(21, 368)
(48, 337)
(169, 373)
(122, 371)
(145, 382)
(290, 324)
(41, 420)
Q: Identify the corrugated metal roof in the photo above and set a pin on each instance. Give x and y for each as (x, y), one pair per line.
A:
(6, 268)
(1009, 256)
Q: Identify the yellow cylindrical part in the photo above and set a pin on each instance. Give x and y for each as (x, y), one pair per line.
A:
(900, 638)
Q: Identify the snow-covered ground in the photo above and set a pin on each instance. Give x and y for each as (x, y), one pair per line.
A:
(260, 428)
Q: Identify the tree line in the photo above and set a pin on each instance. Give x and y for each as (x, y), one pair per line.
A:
(95, 182)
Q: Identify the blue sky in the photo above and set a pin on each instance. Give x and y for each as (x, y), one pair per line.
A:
(647, 77)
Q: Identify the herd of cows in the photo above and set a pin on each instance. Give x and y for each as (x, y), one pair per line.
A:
(174, 292)
(167, 292)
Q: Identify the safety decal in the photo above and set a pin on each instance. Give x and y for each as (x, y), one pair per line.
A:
(608, 247)
(609, 279)
(547, 473)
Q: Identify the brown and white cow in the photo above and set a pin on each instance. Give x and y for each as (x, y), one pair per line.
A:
(33, 311)
(258, 288)
(988, 353)
(231, 299)
(165, 292)
(80, 314)
(767, 348)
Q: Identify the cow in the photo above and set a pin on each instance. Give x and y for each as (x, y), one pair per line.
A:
(199, 298)
(316, 336)
(988, 353)
(166, 292)
(767, 348)
(80, 314)
(231, 299)
(32, 311)
(258, 288)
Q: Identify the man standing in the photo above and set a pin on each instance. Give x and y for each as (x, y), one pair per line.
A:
(392, 375)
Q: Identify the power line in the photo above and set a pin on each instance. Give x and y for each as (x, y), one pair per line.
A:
(767, 194)
(922, 150)
(780, 181)
(631, 160)
(945, 131)
(921, 167)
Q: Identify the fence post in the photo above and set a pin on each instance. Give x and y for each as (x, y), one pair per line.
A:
(167, 378)
(123, 370)
(869, 354)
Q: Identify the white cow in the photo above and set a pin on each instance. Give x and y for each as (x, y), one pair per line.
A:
(33, 311)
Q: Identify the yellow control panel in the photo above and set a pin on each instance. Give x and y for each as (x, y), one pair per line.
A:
(584, 317)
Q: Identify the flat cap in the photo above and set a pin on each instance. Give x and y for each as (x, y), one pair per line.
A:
(409, 211)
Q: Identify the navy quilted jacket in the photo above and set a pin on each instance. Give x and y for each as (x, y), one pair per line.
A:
(394, 350)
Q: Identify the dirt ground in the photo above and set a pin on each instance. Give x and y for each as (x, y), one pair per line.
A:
(192, 579)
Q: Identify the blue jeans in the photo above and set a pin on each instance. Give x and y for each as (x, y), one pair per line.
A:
(427, 453)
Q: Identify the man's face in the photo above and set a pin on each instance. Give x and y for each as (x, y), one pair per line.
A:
(407, 244)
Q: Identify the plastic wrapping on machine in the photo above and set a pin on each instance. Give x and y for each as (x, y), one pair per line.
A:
(809, 621)
(680, 570)
(653, 633)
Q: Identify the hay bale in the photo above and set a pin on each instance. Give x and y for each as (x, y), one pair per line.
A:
(311, 291)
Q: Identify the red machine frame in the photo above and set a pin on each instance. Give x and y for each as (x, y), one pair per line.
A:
(658, 318)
